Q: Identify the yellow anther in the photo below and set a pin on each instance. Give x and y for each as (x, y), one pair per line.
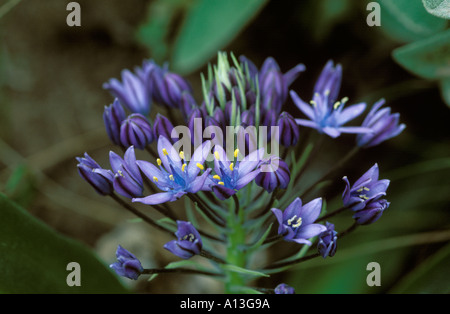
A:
(236, 152)
(216, 154)
(183, 167)
(181, 154)
(155, 179)
(120, 173)
(291, 220)
(366, 189)
(200, 166)
(359, 190)
(327, 92)
(337, 104)
(165, 151)
(298, 223)
(312, 102)
(158, 161)
(216, 177)
(221, 183)
(171, 177)
(344, 100)
(231, 166)
(364, 197)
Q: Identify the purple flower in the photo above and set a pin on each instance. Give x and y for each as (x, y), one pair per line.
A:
(100, 179)
(372, 212)
(232, 176)
(189, 242)
(383, 124)
(327, 241)
(113, 116)
(132, 92)
(366, 189)
(127, 180)
(283, 288)
(297, 221)
(127, 264)
(174, 175)
(274, 174)
(329, 118)
(289, 130)
(137, 131)
(167, 87)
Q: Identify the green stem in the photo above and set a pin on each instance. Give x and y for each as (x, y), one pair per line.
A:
(236, 239)
(178, 271)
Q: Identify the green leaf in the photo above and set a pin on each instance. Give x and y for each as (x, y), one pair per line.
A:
(445, 90)
(407, 20)
(209, 26)
(34, 258)
(429, 277)
(428, 58)
(439, 8)
(244, 271)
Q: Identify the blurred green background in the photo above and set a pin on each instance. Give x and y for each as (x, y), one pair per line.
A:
(51, 105)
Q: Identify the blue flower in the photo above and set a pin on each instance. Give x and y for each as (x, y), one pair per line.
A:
(297, 221)
(327, 117)
(127, 264)
(232, 176)
(100, 179)
(132, 92)
(188, 241)
(174, 175)
(383, 124)
(127, 179)
(327, 241)
(366, 189)
(283, 288)
(371, 212)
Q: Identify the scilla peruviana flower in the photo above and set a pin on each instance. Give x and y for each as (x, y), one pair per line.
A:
(231, 176)
(174, 175)
(188, 241)
(127, 264)
(297, 221)
(365, 189)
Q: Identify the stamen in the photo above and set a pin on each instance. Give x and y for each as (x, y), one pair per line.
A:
(236, 152)
(155, 179)
(165, 151)
(181, 154)
(120, 173)
(171, 177)
(336, 105)
(231, 166)
(298, 223)
(200, 166)
(360, 190)
(183, 167)
(158, 161)
(312, 102)
(366, 189)
(216, 154)
(344, 100)
(216, 177)
(291, 220)
(221, 183)
(364, 197)
(327, 92)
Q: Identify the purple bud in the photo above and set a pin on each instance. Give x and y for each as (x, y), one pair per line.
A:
(289, 129)
(327, 241)
(248, 117)
(127, 176)
(372, 212)
(274, 174)
(113, 116)
(283, 288)
(163, 127)
(188, 104)
(329, 81)
(189, 242)
(168, 87)
(100, 179)
(383, 124)
(127, 264)
(133, 92)
(137, 131)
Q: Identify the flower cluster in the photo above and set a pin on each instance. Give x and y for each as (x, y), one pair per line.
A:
(237, 187)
